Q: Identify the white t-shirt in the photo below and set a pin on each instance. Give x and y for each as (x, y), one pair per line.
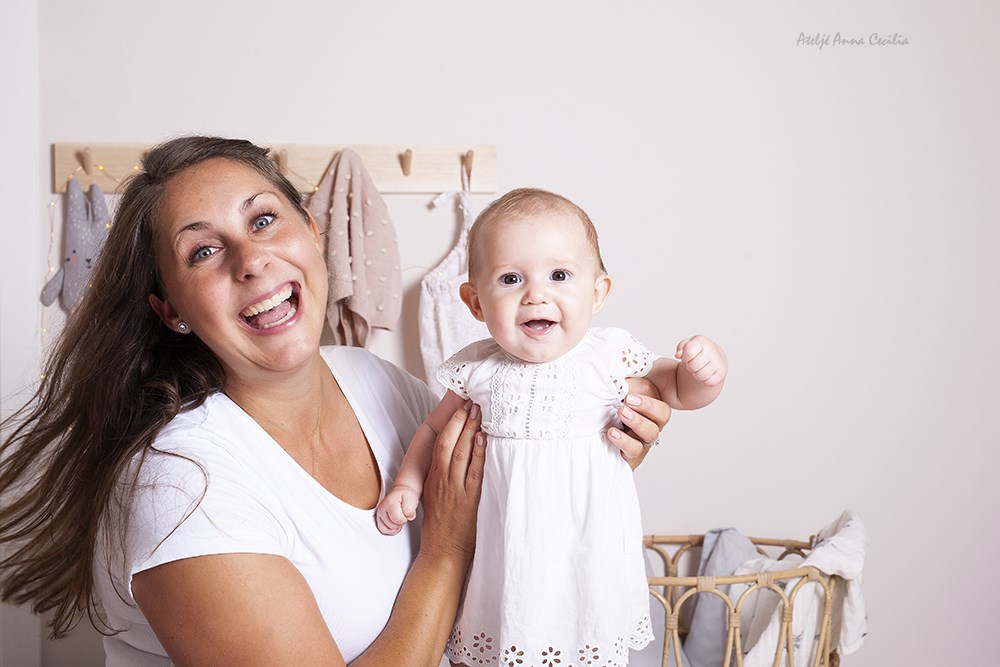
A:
(233, 489)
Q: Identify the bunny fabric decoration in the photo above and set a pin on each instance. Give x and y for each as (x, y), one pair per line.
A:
(86, 230)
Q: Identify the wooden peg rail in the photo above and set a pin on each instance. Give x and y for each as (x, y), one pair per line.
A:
(393, 168)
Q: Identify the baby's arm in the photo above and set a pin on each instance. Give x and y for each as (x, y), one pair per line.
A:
(696, 380)
(400, 503)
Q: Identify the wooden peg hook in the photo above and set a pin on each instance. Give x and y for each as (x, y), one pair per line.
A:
(467, 164)
(406, 161)
(87, 160)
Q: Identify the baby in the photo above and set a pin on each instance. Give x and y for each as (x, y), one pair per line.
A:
(558, 574)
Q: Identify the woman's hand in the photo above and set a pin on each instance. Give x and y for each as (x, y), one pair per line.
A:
(453, 485)
(644, 416)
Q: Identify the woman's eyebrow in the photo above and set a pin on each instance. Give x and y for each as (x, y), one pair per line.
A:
(249, 202)
(192, 227)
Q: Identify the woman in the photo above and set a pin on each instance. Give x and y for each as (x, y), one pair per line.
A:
(197, 462)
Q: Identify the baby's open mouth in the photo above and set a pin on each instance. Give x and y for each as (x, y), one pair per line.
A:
(273, 311)
(538, 326)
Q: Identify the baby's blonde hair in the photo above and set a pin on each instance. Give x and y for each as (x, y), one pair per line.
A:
(525, 202)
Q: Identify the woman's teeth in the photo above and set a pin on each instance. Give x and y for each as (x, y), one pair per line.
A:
(271, 312)
(268, 304)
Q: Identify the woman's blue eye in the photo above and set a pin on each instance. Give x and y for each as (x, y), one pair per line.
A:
(559, 275)
(510, 279)
(262, 221)
(201, 253)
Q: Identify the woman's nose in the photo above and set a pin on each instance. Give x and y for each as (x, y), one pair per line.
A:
(249, 259)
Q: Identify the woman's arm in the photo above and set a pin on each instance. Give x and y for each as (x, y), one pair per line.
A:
(254, 609)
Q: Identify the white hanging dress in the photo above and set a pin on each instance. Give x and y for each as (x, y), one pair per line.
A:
(446, 325)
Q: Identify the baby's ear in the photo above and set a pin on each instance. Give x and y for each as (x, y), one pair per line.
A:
(602, 287)
(471, 299)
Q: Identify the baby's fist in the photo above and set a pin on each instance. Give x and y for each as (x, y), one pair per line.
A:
(703, 359)
(398, 507)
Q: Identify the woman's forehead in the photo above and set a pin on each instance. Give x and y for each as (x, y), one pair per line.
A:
(211, 188)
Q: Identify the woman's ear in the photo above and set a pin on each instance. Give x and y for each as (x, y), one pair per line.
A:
(602, 287)
(471, 299)
(314, 229)
(164, 311)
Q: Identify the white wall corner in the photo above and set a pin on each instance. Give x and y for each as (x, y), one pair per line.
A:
(20, 631)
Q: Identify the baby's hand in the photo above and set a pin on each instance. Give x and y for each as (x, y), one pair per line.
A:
(398, 507)
(703, 359)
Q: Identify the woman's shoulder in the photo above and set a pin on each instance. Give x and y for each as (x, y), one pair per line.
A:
(363, 371)
(348, 358)
(215, 434)
(216, 418)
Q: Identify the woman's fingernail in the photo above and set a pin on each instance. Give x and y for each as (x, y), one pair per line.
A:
(615, 434)
(480, 440)
(627, 413)
(468, 404)
(474, 412)
(632, 399)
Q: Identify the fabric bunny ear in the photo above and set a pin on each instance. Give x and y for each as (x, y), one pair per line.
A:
(100, 223)
(75, 208)
(99, 213)
(52, 288)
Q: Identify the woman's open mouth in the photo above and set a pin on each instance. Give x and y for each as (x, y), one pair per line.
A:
(273, 311)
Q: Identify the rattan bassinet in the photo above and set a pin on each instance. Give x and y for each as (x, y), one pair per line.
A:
(674, 592)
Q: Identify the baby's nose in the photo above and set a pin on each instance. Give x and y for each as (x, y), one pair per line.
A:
(536, 293)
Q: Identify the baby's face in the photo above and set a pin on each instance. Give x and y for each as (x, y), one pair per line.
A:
(537, 285)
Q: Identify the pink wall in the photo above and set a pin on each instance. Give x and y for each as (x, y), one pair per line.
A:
(829, 215)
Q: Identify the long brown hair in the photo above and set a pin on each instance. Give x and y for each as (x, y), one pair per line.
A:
(115, 377)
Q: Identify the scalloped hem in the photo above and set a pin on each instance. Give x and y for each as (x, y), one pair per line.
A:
(481, 650)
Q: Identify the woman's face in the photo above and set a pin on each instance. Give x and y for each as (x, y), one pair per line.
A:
(242, 268)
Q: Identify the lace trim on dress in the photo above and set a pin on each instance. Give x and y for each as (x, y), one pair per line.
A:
(483, 649)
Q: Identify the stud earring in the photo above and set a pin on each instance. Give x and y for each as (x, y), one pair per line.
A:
(182, 327)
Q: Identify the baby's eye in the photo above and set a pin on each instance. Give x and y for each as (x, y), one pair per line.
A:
(559, 275)
(510, 279)
(262, 221)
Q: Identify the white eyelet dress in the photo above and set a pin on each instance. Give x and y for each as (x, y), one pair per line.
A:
(558, 577)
